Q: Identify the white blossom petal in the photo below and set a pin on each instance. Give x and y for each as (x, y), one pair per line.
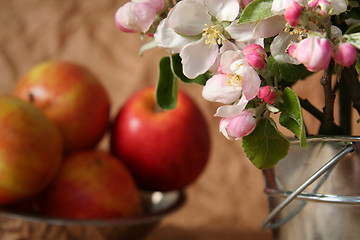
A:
(232, 110)
(155, 4)
(145, 14)
(279, 6)
(223, 10)
(242, 32)
(197, 57)
(167, 38)
(250, 83)
(226, 45)
(269, 27)
(189, 18)
(335, 32)
(217, 90)
(224, 122)
(338, 6)
(280, 44)
(228, 58)
(243, 44)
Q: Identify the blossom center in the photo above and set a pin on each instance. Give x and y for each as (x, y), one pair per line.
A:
(213, 34)
(233, 80)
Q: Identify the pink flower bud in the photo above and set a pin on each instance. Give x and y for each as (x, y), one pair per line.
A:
(137, 16)
(157, 5)
(242, 124)
(345, 54)
(268, 94)
(315, 53)
(244, 3)
(255, 56)
(292, 14)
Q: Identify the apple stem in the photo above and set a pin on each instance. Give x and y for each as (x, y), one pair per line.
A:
(31, 97)
(157, 108)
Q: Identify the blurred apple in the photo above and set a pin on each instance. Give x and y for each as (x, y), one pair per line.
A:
(70, 96)
(30, 150)
(164, 150)
(91, 185)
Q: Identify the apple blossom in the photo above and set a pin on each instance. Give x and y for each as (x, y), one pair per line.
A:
(237, 78)
(315, 53)
(345, 54)
(255, 56)
(292, 14)
(205, 23)
(137, 15)
(268, 94)
(238, 126)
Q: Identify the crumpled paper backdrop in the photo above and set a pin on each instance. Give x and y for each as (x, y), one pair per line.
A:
(227, 201)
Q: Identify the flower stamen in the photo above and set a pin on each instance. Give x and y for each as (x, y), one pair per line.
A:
(213, 34)
(233, 80)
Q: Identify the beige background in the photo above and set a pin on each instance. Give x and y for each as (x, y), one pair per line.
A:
(227, 201)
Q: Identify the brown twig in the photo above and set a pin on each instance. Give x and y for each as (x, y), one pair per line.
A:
(319, 115)
(353, 85)
(328, 126)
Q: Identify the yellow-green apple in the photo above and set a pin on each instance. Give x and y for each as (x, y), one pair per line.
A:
(72, 97)
(164, 150)
(31, 150)
(91, 185)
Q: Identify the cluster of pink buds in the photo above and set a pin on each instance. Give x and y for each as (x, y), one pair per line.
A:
(315, 53)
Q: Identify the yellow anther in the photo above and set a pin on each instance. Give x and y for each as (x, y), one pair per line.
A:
(213, 34)
(233, 80)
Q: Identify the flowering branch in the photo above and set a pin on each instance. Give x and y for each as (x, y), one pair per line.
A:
(248, 55)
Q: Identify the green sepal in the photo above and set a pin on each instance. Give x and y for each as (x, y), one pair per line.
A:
(353, 28)
(166, 89)
(266, 146)
(353, 38)
(291, 115)
(256, 11)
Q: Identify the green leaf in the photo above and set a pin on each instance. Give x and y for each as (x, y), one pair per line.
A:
(353, 38)
(353, 28)
(178, 70)
(291, 115)
(286, 71)
(166, 90)
(266, 146)
(256, 11)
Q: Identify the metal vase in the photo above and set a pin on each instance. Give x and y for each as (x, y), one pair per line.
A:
(314, 193)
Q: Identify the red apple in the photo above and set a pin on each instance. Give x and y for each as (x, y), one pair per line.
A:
(30, 150)
(71, 97)
(164, 150)
(91, 185)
